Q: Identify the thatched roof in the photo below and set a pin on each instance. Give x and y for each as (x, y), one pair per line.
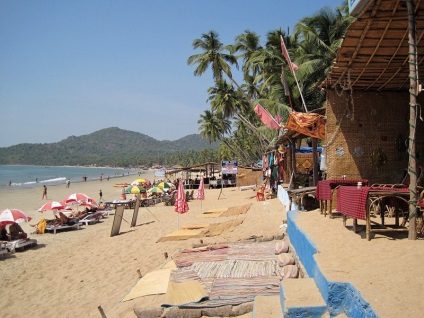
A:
(374, 53)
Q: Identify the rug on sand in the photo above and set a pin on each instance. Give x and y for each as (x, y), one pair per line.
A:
(201, 230)
(230, 274)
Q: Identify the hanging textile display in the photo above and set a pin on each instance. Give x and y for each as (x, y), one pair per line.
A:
(310, 124)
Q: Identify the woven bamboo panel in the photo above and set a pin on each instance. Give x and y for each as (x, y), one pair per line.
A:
(363, 137)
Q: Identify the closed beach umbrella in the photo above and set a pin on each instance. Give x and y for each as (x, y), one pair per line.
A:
(201, 190)
(10, 216)
(76, 197)
(52, 205)
(181, 205)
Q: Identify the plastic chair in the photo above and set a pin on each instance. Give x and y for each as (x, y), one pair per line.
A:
(260, 195)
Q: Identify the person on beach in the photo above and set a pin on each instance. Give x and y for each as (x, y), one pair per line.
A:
(44, 192)
(10, 183)
(16, 232)
(101, 195)
(68, 183)
(4, 236)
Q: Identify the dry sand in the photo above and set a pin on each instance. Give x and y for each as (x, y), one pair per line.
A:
(71, 273)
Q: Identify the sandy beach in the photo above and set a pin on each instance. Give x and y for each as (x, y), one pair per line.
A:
(71, 273)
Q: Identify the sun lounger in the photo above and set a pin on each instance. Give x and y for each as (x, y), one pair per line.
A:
(92, 217)
(21, 244)
(5, 249)
(62, 227)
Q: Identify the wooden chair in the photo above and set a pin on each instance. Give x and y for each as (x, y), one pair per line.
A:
(260, 195)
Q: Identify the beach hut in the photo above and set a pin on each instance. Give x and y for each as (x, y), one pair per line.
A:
(373, 97)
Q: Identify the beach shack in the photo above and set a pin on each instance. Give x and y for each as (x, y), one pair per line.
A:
(374, 126)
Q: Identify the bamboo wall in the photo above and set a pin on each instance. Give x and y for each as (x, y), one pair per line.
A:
(375, 125)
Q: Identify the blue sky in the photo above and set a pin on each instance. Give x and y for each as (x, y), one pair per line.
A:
(75, 67)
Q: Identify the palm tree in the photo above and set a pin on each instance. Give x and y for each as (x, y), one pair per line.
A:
(247, 43)
(213, 56)
(214, 126)
(321, 36)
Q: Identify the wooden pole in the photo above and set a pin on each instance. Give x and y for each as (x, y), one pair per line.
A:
(315, 160)
(413, 91)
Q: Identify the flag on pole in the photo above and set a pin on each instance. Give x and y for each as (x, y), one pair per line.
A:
(266, 117)
(284, 82)
(293, 67)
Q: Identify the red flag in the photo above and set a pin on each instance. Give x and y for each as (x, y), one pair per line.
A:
(293, 67)
(266, 117)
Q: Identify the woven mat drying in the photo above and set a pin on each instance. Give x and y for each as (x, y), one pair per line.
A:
(153, 283)
(184, 293)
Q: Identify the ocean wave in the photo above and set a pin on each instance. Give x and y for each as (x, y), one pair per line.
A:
(31, 183)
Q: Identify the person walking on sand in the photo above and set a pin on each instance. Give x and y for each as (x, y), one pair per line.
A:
(44, 192)
(68, 183)
(101, 195)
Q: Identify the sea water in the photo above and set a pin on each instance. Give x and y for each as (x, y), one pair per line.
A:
(31, 176)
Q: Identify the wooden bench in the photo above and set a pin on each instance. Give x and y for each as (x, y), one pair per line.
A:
(297, 195)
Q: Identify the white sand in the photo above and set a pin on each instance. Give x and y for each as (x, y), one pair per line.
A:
(71, 273)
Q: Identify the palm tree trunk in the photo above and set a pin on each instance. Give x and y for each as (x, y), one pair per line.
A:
(241, 117)
(412, 166)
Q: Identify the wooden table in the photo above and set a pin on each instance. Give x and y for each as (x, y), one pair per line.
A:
(325, 190)
(297, 195)
(355, 202)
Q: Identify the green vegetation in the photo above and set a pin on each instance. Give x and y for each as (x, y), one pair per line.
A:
(113, 147)
(231, 119)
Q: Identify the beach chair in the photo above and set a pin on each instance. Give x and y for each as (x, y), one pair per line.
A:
(56, 228)
(21, 244)
(171, 199)
(92, 218)
(5, 249)
(260, 194)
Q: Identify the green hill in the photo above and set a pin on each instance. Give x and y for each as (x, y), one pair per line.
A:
(110, 146)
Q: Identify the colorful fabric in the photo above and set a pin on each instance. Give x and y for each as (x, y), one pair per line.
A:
(266, 117)
(309, 124)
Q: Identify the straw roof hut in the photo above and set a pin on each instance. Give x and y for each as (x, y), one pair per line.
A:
(374, 129)
(367, 110)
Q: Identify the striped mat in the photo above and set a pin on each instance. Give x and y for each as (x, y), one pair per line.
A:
(230, 274)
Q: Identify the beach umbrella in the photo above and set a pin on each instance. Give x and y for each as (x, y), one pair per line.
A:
(181, 205)
(163, 185)
(10, 216)
(135, 190)
(140, 181)
(52, 205)
(75, 197)
(201, 192)
(88, 203)
(155, 190)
